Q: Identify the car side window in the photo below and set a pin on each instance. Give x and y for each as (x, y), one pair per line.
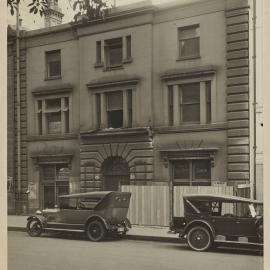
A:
(88, 203)
(68, 203)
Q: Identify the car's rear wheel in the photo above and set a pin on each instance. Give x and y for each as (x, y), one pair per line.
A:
(34, 227)
(95, 231)
(199, 238)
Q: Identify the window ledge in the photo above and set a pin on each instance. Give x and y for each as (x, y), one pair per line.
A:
(52, 137)
(53, 78)
(128, 60)
(190, 128)
(189, 57)
(99, 65)
(116, 67)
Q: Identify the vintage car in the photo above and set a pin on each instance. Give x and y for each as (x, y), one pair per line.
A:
(212, 220)
(97, 214)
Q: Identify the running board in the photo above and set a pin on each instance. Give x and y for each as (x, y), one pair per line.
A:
(66, 230)
(237, 242)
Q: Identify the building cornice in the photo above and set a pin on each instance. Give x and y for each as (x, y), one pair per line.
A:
(113, 82)
(188, 72)
(52, 89)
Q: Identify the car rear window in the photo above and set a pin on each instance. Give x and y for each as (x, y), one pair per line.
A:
(89, 203)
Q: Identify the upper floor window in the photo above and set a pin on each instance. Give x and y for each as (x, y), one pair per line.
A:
(53, 64)
(114, 109)
(189, 103)
(189, 42)
(113, 52)
(53, 116)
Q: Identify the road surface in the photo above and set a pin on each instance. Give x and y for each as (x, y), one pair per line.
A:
(67, 252)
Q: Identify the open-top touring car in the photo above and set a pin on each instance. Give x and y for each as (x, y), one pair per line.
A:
(97, 214)
(211, 220)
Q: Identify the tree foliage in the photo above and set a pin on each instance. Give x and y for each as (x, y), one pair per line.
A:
(90, 9)
(86, 9)
(35, 6)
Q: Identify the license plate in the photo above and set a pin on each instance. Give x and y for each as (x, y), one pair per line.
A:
(120, 229)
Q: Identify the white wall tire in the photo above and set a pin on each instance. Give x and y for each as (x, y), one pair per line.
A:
(199, 238)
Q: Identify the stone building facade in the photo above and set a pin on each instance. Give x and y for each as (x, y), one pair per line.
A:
(146, 96)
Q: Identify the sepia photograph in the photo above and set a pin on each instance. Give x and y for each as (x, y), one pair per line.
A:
(135, 134)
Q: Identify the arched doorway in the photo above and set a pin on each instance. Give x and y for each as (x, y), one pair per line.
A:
(115, 172)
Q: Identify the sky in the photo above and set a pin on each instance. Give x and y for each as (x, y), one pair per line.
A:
(30, 21)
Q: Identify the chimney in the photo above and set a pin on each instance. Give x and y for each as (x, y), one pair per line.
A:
(53, 15)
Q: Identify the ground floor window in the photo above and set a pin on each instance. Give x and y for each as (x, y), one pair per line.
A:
(54, 182)
(195, 172)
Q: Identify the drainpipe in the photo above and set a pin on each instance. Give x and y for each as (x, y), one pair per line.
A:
(253, 190)
(18, 105)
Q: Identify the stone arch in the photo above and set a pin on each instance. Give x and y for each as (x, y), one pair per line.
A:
(114, 172)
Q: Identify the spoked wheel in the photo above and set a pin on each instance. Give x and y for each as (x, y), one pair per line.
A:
(95, 231)
(199, 239)
(34, 227)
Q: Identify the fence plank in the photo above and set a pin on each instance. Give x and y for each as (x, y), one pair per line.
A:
(149, 205)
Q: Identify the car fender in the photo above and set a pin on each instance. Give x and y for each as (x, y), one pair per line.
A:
(41, 219)
(99, 218)
(127, 223)
(198, 222)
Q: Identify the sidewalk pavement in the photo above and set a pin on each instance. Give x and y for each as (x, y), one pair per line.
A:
(143, 233)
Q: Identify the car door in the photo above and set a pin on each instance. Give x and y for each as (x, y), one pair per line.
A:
(224, 225)
(245, 226)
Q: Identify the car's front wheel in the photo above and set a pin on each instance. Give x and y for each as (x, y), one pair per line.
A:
(95, 231)
(34, 227)
(199, 239)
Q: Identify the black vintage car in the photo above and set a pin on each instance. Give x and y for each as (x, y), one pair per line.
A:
(97, 214)
(212, 220)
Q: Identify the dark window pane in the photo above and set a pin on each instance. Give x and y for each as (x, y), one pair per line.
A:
(208, 102)
(128, 43)
(54, 123)
(98, 52)
(190, 93)
(115, 55)
(115, 101)
(54, 69)
(53, 104)
(190, 102)
(202, 169)
(98, 110)
(191, 113)
(129, 103)
(189, 47)
(53, 59)
(170, 104)
(181, 170)
(115, 119)
(48, 172)
(114, 52)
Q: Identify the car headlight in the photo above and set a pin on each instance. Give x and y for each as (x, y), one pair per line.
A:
(38, 212)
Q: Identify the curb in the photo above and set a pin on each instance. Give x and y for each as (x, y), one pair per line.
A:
(16, 229)
(128, 236)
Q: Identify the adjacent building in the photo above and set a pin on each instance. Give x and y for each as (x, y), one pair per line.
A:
(149, 95)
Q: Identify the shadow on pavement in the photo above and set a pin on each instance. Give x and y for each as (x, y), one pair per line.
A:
(225, 250)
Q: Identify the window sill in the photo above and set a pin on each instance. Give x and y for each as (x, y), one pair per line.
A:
(99, 65)
(116, 67)
(127, 61)
(189, 57)
(190, 128)
(53, 78)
